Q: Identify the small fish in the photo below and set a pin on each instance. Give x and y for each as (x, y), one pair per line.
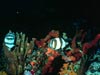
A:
(57, 43)
(9, 40)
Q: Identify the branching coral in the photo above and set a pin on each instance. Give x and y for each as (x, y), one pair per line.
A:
(16, 57)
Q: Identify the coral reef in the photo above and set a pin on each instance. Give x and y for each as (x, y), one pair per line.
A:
(55, 54)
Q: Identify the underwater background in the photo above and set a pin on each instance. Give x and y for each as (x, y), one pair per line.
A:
(36, 19)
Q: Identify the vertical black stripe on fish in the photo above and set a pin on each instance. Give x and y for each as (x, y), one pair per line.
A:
(10, 35)
(9, 43)
(55, 43)
(61, 42)
(51, 43)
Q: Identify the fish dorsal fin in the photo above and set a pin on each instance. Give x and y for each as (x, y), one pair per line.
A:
(10, 31)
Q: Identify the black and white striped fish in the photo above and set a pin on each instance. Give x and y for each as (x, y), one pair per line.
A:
(57, 43)
(9, 40)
